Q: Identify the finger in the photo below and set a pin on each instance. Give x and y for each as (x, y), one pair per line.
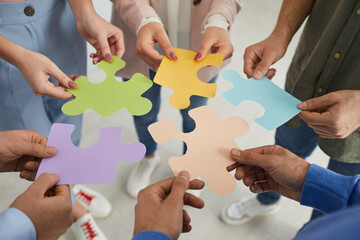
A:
(61, 77)
(203, 49)
(186, 228)
(35, 149)
(271, 73)
(193, 201)
(28, 175)
(196, 184)
(120, 48)
(152, 57)
(250, 62)
(240, 173)
(165, 44)
(105, 48)
(180, 185)
(232, 167)
(57, 92)
(315, 118)
(186, 217)
(253, 157)
(43, 184)
(226, 50)
(317, 103)
(63, 191)
(263, 67)
(32, 166)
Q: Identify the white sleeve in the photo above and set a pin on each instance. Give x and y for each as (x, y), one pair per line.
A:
(217, 20)
(146, 21)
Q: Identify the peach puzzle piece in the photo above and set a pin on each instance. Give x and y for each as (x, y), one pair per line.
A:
(181, 76)
(208, 147)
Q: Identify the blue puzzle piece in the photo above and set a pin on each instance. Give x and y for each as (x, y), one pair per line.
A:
(279, 105)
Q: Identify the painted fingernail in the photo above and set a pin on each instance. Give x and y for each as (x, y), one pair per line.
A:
(185, 175)
(50, 150)
(108, 57)
(173, 56)
(258, 74)
(72, 85)
(198, 57)
(236, 152)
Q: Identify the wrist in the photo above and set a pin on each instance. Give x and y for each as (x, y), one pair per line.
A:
(282, 34)
(19, 56)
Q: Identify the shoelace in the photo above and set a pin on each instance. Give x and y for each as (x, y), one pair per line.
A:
(84, 197)
(89, 231)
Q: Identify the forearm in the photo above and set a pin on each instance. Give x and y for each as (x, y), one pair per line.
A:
(81, 8)
(10, 51)
(292, 15)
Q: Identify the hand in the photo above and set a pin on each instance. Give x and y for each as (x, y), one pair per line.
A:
(270, 168)
(259, 57)
(22, 151)
(216, 40)
(37, 69)
(49, 209)
(148, 36)
(160, 206)
(107, 39)
(334, 115)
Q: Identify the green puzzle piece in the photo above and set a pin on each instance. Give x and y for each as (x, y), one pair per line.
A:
(109, 96)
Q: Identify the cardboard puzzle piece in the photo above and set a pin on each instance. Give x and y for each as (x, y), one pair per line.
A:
(93, 165)
(208, 147)
(279, 105)
(110, 95)
(181, 77)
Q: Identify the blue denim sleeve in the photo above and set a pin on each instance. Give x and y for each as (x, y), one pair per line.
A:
(151, 235)
(329, 191)
(14, 225)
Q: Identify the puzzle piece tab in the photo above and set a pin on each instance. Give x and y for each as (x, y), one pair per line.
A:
(208, 147)
(93, 165)
(110, 95)
(181, 76)
(279, 105)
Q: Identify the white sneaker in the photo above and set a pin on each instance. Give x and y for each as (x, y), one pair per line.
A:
(242, 211)
(140, 176)
(85, 228)
(92, 201)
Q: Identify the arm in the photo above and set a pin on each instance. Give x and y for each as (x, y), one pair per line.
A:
(107, 39)
(37, 69)
(259, 57)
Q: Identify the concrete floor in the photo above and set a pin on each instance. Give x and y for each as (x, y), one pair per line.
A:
(254, 23)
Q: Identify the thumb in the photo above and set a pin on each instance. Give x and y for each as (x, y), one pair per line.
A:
(43, 184)
(263, 67)
(62, 78)
(251, 157)
(180, 185)
(165, 44)
(316, 103)
(203, 49)
(35, 150)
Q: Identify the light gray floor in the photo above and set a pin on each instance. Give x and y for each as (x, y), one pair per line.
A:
(254, 23)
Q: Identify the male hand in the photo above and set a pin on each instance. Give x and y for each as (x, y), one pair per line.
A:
(216, 40)
(48, 207)
(37, 69)
(270, 168)
(160, 206)
(334, 115)
(148, 36)
(259, 57)
(22, 151)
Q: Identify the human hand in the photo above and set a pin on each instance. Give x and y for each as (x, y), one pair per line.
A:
(259, 57)
(106, 38)
(215, 40)
(22, 151)
(334, 115)
(37, 69)
(270, 168)
(148, 36)
(160, 206)
(48, 206)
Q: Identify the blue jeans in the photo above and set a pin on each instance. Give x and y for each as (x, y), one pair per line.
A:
(142, 122)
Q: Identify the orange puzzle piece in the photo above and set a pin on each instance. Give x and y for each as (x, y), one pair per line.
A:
(208, 147)
(181, 76)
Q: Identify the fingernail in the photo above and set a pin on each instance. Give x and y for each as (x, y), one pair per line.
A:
(173, 56)
(236, 152)
(258, 74)
(72, 85)
(185, 175)
(302, 105)
(108, 57)
(50, 150)
(198, 57)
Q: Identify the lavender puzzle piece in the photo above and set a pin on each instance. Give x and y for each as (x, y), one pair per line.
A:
(93, 165)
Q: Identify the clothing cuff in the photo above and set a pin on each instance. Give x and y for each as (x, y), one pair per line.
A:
(325, 190)
(14, 224)
(151, 235)
(217, 20)
(148, 20)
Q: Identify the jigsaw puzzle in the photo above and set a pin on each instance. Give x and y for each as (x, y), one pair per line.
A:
(110, 95)
(181, 77)
(279, 105)
(93, 165)
(208, 147)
